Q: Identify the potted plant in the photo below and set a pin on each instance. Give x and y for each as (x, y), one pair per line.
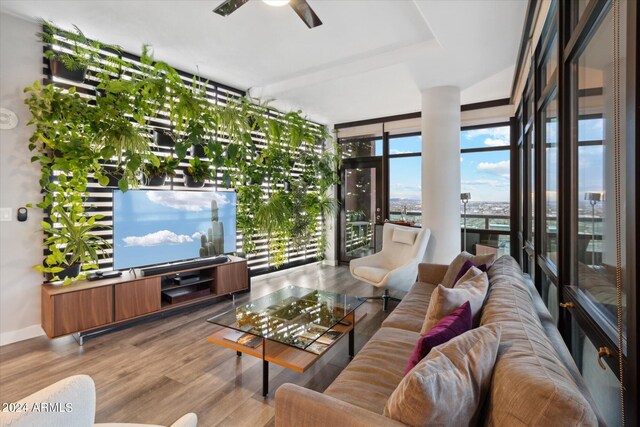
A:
(156, 173)
(73, 246)
(115, 135)
(114, 175)
(198, 150)
(196, 173)
(163, 138)
(70, 59)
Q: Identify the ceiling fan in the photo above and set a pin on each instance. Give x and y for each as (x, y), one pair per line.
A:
(301, 7)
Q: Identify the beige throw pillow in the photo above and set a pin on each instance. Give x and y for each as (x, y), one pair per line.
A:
(445, 300)
(458, 262)
(470, 274)
(448, 386)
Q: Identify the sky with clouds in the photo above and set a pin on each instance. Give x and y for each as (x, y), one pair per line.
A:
(486, 175)
(152, 227)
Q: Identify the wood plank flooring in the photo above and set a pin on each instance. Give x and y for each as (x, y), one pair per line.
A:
(156, 371)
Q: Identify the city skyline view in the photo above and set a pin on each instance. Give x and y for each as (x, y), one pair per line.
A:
(486, 174)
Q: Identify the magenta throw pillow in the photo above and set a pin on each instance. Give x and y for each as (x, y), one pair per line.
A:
(466, 267)
(455, 323)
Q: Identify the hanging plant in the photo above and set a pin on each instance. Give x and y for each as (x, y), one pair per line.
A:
(72, 244)
(197, 173)
(71, 53)
(273, 159)
(156, 172)
(60, 139)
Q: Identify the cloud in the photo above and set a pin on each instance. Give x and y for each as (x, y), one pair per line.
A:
(192, 201)
(491, 142)
(461, 159)
(497, 168)
(162, 237)
(197, 234)
(494, 137)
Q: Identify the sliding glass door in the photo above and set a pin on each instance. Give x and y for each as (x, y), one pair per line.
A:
(361, 207)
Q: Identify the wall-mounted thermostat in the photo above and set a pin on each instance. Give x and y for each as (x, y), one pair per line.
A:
(8, 119)
(5, 214)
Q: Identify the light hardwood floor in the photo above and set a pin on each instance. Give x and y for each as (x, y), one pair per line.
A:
(157, 370)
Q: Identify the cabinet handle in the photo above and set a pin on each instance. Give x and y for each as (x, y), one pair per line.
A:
(603, 352)
(566, 304)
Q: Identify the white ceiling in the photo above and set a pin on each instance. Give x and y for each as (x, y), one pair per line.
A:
(370, 58)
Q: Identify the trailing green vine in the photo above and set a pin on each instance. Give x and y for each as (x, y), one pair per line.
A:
(274, 160)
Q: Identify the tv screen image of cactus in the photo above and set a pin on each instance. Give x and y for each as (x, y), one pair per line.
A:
(155, 227)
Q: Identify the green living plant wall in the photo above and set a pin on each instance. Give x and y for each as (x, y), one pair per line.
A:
(274, 160)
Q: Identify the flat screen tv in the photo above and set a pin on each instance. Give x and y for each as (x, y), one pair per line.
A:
(155, 227)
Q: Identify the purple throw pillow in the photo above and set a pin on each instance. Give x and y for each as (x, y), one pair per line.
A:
(466, 267)
(453, 324)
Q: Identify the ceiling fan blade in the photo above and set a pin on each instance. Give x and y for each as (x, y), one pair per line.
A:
(304, 11)
(228, 7)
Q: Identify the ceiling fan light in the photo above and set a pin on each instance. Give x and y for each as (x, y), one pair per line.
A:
(276, 3)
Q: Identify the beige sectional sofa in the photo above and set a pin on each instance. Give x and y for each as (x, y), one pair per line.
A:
(534, 383)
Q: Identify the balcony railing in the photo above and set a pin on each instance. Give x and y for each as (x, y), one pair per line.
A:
(485, 231)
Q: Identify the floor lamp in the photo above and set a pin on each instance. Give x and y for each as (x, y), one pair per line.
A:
(465, 199)
(593, 199)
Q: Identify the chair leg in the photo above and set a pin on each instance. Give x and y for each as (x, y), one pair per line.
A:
(385, 297)
(385, 300)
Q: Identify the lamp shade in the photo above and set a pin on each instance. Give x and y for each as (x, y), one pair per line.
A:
(593, 196)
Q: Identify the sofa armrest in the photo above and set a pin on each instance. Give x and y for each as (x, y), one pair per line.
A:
(187, 420)
(297, 406)
(74, 397)
(377, 259)
(432, 273)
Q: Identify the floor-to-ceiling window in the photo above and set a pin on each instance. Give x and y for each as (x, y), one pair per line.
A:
(486, 185)
(405, 163)
(527, 154)
(578, 165)
(547, 141)
(597, 82)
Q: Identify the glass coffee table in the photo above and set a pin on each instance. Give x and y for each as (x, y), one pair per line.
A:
(292, 327)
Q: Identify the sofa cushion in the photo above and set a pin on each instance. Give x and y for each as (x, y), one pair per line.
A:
(409, 313)
(449, 327)
(445, 300)
(531, 385)
(457, 263)
(448, 386)
(374, 274)
(376, 370)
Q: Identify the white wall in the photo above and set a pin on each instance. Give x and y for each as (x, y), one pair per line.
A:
(20, 242)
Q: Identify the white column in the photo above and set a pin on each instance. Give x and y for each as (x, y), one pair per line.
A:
(441, 172)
